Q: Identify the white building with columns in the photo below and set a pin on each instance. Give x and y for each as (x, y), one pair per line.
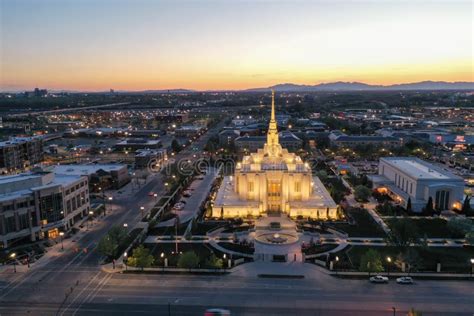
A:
(405, 178)
(273, 179)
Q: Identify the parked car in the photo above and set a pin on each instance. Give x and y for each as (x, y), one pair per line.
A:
(378, 279)
(217, 312)
(405, 280)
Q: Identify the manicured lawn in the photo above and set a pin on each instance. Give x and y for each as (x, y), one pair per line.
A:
(203, 251)
(451, 259)
(363, 225)
(431, 227)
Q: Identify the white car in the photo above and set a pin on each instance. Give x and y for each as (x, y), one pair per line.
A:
(378, 279)
(405, 280)
(217, 312)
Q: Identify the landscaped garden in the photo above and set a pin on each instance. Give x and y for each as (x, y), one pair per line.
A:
(359, 224)
(422, 259)
(429, 227)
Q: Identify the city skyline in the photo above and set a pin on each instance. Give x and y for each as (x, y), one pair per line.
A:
(209, 45)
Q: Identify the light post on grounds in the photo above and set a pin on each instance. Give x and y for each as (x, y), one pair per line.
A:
(91, 219)
(472, 266)
(61, 234)
(13, 256)
(125, 260)
(111, 204)
(389, 261)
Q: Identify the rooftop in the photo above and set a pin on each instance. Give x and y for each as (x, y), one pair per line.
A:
(81, 170)
(418, 168)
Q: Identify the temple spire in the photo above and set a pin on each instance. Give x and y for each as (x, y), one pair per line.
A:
(273, 106)
(272, 135)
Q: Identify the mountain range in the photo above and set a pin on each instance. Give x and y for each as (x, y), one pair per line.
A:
(359, 86)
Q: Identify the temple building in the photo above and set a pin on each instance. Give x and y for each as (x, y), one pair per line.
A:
(273, 180)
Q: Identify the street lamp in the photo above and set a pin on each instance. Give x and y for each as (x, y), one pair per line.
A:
(111, 205)
(13, 255)
(142, 208)
(337, 260)
(125, 225)
(472, 266)
(389, 261)
(125, 261)
(61, 234)
(91, 219)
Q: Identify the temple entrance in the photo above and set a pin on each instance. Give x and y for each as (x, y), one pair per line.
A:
(274, 196)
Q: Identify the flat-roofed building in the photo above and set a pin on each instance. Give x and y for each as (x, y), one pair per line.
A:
(101, 176)
(340, 139)
(134, 144)
(189, 131)
(19, 153)
(37, 205)
(412, 178)
(151, 159)
(172, 117)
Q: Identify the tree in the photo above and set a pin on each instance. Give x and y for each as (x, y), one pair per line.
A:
(411, 258)
(188, 260)
(362, 193)
(107, 247)
(403, 232)
(429, 209)
(409, 207)
(214, 263)
(371, 262)
(141, 258)
(466, 206)
(385, 208)
(470, 237)
(175, 146)
(118, 233)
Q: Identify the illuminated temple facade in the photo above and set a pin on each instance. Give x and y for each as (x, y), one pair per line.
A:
(273, 180)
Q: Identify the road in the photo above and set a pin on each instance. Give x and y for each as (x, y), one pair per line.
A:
(64, 110)
(100, 293)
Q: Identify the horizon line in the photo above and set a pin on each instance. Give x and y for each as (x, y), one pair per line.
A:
(370, 85)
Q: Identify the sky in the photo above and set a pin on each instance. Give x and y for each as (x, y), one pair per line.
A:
(95, 45)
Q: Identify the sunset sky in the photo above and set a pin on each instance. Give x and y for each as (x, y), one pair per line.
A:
(95, 45)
